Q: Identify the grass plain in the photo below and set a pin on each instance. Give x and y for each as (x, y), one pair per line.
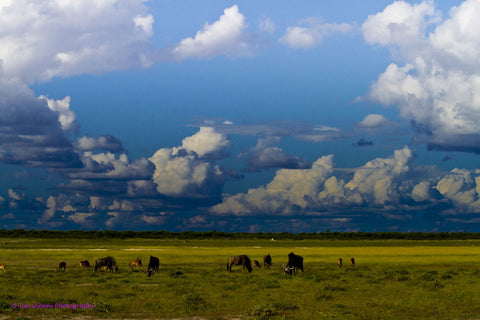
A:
(392, 279)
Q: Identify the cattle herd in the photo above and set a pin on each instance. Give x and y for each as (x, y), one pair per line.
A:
(295, 263)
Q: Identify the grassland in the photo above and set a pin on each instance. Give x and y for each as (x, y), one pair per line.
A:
(392, 280)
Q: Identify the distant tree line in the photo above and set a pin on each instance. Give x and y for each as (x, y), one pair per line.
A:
(213, 234)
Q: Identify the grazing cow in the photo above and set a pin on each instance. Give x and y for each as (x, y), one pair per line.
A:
(136, 263)
(3, 266)
(242, 260)
(288, 269)
(267, 261)
(107, 262)
(352, 262)
(84, 264)
(62, 265)
(295, 262)
(153, 265)
(340, 261)
(256, 263)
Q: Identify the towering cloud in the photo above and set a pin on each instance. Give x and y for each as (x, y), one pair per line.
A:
(435, 81)
(184, 171)
(290, 189)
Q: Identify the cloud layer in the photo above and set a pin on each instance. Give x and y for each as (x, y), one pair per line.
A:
(393, 184)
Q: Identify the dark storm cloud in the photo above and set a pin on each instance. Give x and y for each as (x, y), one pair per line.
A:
(460, 142)
(110, 167)
(363, 143)
(273, 157)
(104, 143)
(266, 155)
(30, 132)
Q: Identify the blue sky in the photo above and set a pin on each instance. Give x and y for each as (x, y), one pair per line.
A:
(251, 116)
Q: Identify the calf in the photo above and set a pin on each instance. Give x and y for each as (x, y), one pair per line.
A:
(3, 266)
(84, 264)
(340, 261)
(62, 265)
(136, 263)
(288, 270)
(352, 262)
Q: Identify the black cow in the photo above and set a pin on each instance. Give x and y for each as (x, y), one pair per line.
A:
(242, 260)
(352, 262)
(153, 265)
(295, 262)
(62, 265)
(267, 261)
(107, 262)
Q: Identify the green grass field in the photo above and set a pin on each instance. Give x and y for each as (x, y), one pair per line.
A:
(392, 280)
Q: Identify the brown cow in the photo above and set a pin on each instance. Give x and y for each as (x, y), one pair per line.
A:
(107, 262)
(340, 262)
(84, 264)
(3, 266)
(352, 262)
(242, 260)
(62, 265)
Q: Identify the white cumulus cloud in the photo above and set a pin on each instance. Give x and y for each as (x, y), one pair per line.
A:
(226, 36)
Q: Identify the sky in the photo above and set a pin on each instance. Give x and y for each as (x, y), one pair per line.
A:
(252, 116)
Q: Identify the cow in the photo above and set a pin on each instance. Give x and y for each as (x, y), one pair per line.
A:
(352, 262)
(136, 263)
(84, 264)
(340, 262)
(295, 262)
(267, 261)
(62, 265)
(3, 266)
(242, 260)
(153, 265)
(256, 263)
(108, 262)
